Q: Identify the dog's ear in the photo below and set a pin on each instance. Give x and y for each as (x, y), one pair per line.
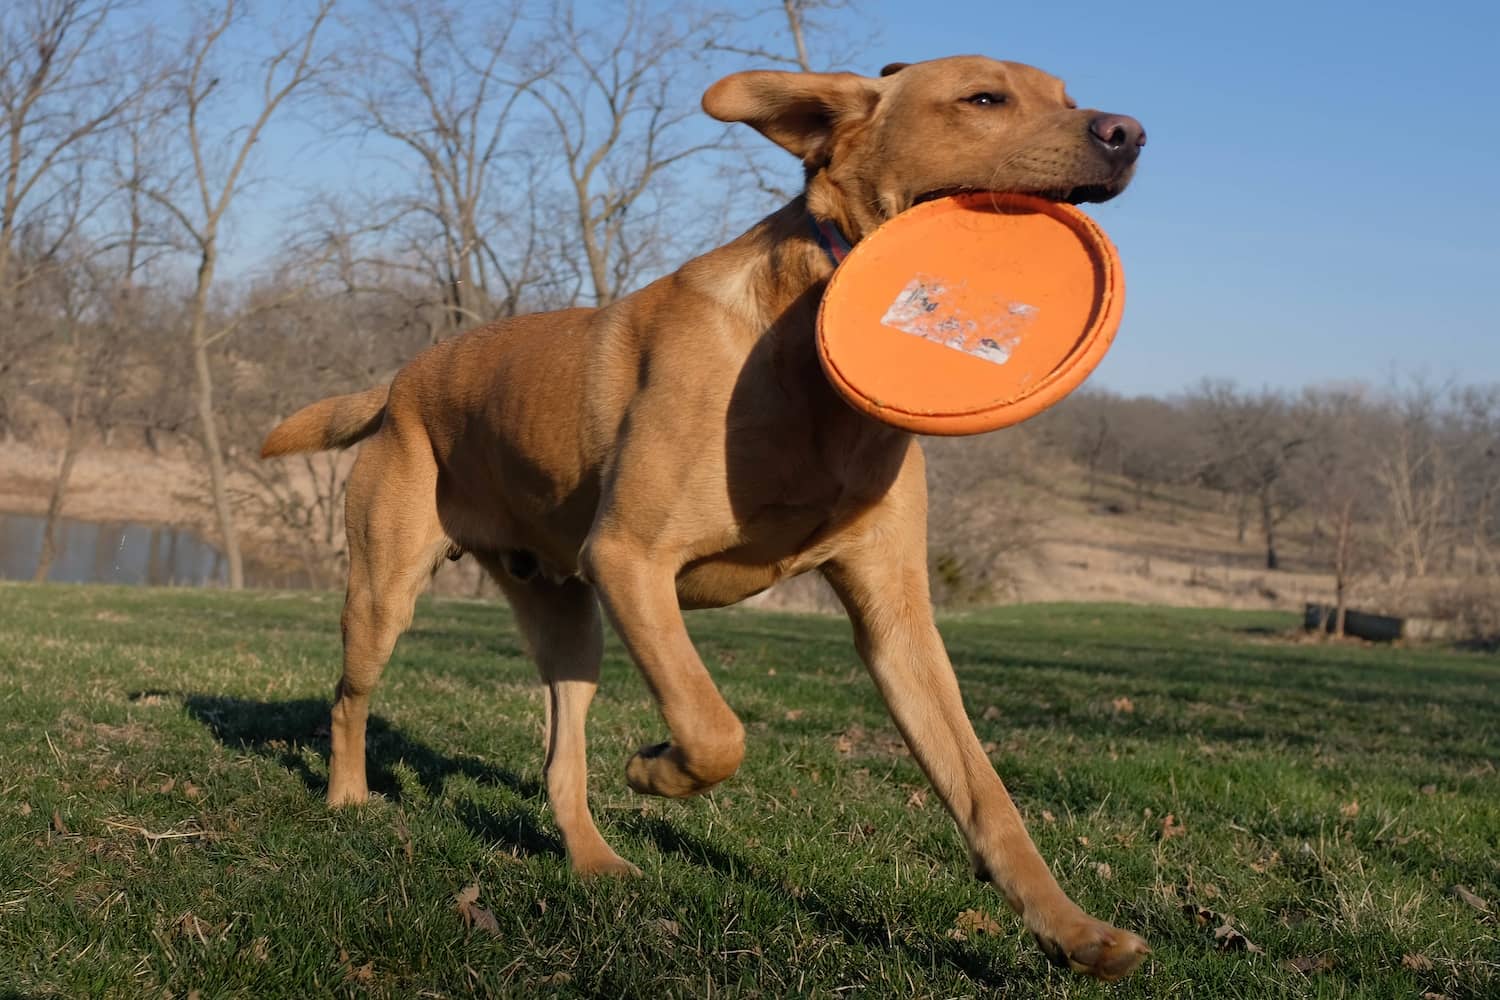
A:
(797, 111)
(890, 68)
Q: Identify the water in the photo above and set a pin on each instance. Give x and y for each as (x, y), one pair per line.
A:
(111, 552)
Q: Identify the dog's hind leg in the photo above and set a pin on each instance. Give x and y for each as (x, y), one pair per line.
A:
(395, 541)
(560, 622)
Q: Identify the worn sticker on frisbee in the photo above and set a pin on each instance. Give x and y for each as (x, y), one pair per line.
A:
(926, 307)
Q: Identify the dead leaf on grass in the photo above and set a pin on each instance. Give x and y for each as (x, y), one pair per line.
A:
(556, 979)
(25, 809)
(917, 799)
(58, 826)
(193, 927)
(364, 974)
(1226, 938)
(972, 922)
(471, 913)
(1171, 828)
(260, 949)
(403, 835)
(1434, 996)
(1267, 863)
(1123, 705)
(671, 928)
(1416, 962)
(793, 714)
(1104, 870)
(990, 713)
(1349, 810)
(166, 786)
(1047, 816)
(191, 790)
(1310, 965)
(1463, 893)
(1429, 789)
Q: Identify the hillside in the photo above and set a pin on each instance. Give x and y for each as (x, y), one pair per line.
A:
(1176, 547)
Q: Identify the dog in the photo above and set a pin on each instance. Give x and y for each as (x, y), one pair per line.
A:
(680, 448)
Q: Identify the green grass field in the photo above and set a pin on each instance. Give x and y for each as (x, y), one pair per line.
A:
(162, 832)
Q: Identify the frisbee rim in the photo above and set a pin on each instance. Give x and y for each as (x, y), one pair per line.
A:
(1070, 372)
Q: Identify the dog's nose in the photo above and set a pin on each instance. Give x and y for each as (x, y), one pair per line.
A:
(1121, 136)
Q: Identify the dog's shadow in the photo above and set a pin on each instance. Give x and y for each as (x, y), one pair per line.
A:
(828, 913)
(286, 731)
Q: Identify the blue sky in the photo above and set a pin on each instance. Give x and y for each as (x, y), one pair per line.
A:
(1316, 202)
(1318, 197)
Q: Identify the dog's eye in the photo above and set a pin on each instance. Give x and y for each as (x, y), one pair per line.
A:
(985, 99)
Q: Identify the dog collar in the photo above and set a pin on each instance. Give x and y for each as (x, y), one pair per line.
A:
(830, 239)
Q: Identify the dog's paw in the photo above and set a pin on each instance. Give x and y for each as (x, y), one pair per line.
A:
(604, 864)
(340, 796)
(661, 770)
(1093, 948)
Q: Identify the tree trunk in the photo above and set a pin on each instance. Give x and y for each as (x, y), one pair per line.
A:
(217, 476)
(598, 264)
(71, 448)
(794, 25)
(1268, 526)
(1341, 566)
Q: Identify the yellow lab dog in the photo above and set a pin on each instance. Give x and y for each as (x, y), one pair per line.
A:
(681, 448)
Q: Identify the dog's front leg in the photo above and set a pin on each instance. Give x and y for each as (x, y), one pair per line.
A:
(882, 582)
(639, 592)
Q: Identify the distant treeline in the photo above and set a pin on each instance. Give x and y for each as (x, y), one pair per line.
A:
(538, 156)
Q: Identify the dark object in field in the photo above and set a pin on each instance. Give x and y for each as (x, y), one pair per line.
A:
(1359, 624)
(1376, 628)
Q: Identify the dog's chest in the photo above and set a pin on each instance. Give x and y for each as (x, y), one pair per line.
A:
(808, 495)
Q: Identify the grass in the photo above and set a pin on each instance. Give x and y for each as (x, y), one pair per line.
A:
(163, 756)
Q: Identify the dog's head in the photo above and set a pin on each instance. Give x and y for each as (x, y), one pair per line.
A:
(874, 147)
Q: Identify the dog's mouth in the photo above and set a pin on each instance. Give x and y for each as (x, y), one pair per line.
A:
(1072, 195)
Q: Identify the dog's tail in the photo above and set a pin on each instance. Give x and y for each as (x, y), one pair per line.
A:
(336, 422)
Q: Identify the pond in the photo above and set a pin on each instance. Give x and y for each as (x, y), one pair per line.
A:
(118, 552)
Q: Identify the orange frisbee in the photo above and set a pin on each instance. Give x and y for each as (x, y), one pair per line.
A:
(970, 313)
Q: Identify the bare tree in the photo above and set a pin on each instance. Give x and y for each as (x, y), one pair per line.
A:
(1415, 471)
(61, 87)
(805, 35)
(438, 83)
(985, 514)
(1082, 427)
(620, 100)
(1478, 450)
(220, 150)
(1156, 448)
(1249, 445)
(94, 316)
(1335, 474)
(314, 307)
(757, 34)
